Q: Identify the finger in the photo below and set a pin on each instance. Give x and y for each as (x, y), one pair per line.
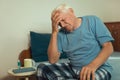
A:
(88, 75)
(93, 75)
(57, 21)
(83, 74)
(55, 15)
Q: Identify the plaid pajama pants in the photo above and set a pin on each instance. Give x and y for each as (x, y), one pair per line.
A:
(63, 71)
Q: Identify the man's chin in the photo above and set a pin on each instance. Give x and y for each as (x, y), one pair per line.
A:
(69, 31)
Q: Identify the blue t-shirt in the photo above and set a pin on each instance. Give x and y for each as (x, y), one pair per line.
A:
(83, 44)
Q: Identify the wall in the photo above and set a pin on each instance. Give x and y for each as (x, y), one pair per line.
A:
(18, 17)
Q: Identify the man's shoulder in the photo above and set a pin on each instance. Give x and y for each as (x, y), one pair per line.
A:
(90, 16)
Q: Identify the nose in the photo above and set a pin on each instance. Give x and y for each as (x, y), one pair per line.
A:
(62, 24)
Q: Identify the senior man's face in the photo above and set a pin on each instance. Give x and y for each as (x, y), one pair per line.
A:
(67, 22)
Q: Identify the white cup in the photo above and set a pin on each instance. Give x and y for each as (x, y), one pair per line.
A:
(29, 63)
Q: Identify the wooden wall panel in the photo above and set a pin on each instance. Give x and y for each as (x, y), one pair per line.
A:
(114, 28)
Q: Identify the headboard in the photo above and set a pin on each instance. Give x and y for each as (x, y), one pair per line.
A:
(114, 28)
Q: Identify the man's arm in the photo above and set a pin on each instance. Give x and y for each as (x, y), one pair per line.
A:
(106, 51)
(53, 53)
(90, 69)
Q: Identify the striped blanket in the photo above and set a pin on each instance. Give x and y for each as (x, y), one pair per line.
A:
(64, 71)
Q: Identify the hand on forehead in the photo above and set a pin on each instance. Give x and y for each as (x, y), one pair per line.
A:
(57, 14)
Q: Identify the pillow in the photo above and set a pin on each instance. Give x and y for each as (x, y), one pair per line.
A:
(39, 44)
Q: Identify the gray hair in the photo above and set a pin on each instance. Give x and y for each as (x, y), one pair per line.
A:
(62, 7)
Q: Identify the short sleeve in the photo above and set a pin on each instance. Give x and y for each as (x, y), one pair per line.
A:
(101, 32)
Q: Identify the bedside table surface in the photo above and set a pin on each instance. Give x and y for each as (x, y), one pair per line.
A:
(23, 74)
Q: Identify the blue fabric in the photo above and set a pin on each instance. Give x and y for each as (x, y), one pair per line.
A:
(84, 44)
(39, 45)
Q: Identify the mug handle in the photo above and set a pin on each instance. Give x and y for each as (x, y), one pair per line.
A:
(33, 63)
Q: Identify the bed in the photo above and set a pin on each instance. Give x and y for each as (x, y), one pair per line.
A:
(42, 39)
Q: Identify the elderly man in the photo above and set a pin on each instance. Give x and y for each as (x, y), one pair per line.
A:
(87, 43)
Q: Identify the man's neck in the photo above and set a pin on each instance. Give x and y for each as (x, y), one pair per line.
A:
(78, 22)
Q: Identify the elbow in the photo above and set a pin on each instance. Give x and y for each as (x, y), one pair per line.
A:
(53, 57)
(52, 61)
(112, 49)
(108, 47)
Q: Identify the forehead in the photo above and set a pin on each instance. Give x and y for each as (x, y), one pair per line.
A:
(63, 11)
(65, 14)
